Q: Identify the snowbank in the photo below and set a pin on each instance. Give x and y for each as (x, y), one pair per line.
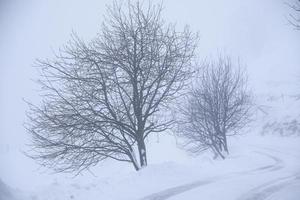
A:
(5, 192)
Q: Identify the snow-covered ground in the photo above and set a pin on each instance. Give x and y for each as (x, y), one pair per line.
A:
(261, 165)
(264, 162)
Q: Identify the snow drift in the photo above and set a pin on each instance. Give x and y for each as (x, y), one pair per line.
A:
(5, 192)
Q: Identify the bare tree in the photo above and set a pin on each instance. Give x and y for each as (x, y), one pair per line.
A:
(102, 99)
(218, 106)
(294, 17)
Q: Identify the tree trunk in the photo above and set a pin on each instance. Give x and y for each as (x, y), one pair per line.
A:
(136, 167)
(225, 143)
(142, 153)
(134, 161)
(217, 152)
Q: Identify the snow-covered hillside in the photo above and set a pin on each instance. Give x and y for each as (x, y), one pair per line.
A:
(7, 193)
(280, 115)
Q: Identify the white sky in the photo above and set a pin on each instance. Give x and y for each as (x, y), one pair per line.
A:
(256, 31)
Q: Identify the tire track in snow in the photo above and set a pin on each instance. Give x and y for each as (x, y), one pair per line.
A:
(165, 194)
(277, 165)
(173, 191)
(265, 190)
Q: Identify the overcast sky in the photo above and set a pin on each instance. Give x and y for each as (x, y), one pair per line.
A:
(255, 31)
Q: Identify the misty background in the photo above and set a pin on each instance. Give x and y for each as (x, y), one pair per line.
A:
(254, 31)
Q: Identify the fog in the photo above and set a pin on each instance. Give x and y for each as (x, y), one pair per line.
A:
(255, 32)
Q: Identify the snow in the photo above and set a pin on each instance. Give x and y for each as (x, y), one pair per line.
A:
(279, 114)
(8, 193)
(263, 162)
(291, 192)
(257, 167)
(5, 191)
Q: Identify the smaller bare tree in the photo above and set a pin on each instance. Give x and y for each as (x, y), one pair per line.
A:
(218, 106)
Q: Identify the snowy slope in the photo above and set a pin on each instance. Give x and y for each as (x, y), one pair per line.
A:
(281, 115)
(6, 193)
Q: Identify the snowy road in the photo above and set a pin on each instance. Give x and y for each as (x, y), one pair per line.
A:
(262, 191)
(268, 189)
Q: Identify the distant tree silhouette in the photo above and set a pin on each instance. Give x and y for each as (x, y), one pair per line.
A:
(294, 17)
(218, 106)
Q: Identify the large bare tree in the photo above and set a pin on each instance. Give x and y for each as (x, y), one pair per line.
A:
(218, 105)
(103, 98)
